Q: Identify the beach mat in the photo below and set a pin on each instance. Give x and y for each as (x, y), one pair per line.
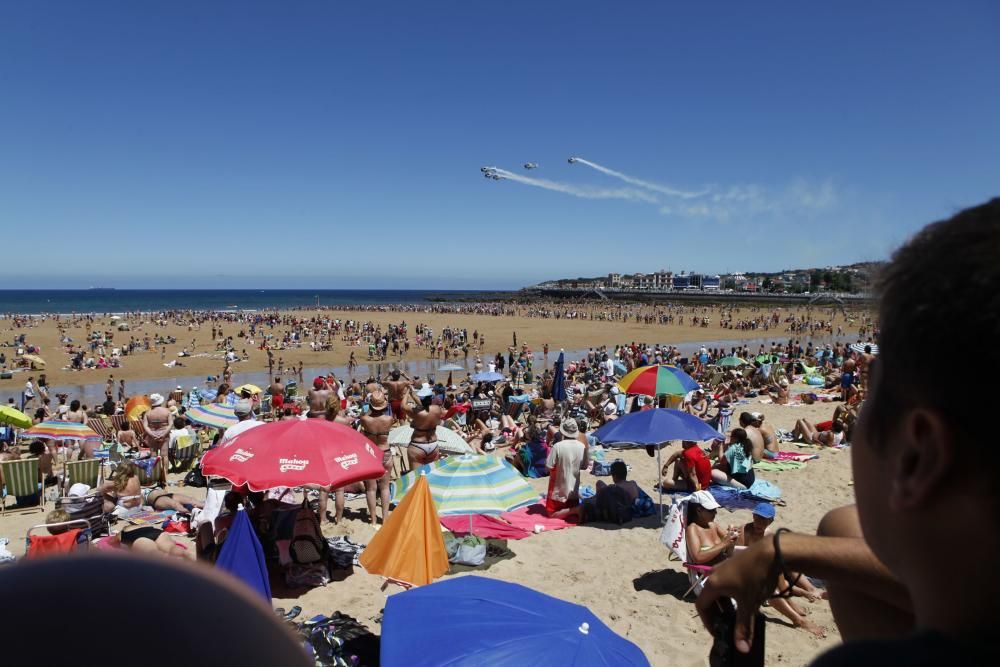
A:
(778, 466)
(484, 525)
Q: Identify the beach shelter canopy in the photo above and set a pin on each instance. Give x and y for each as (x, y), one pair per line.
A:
(451, 367)
(475, 620)
(654, 427)
(14, 417)
(252, 388)
(409, 549)
(860, 347)
(767, 358)
(60, 430)
(488, 376)
(243, 557)
(657, 380)
(470, 484)
(212, 415)
(295, 453)
(448, 440)
(731, 361)
(35, 360)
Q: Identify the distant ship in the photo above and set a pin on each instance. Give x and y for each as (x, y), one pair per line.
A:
(101, 289)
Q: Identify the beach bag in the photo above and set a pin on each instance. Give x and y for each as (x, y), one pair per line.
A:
(87, 508)
(308, 545)
(195, 478)
(468, 550)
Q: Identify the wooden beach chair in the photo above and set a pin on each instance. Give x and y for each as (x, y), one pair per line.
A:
(20, 478)
(102, 426)
(86, 472)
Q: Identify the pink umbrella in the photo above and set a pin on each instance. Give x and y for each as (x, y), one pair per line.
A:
(295, 453)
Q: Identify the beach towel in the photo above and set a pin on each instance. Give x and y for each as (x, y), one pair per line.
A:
(794, 456)
(484, 525)
(740, 499)
(534, 515)
(44, 545)
(150, 517)
(778, 466)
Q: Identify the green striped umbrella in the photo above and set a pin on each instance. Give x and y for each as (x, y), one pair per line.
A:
(470, 484)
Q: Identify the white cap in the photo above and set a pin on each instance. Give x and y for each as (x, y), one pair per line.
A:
(705, 499)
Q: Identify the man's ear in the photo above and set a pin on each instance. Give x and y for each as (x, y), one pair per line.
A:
(922, 458)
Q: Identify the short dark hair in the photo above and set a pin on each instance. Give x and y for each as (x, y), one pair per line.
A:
(619, 470)
(947, 273)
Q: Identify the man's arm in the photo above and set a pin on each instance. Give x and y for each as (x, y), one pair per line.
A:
(751, 577)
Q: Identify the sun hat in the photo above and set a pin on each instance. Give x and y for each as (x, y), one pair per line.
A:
(243, 407)
(569, 428)
(705, 499)
(155, 400)
(610, 409)
(377, 401)
(764, 510)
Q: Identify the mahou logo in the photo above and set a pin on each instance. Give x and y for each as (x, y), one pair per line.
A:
(347, 461)
(241, 456)
(284, 465)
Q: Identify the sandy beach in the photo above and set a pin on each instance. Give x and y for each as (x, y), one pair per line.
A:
(207, 359)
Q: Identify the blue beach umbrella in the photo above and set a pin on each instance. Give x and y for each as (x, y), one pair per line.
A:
(477, 621)
(559, 379)
(488, 376)
(243, 557)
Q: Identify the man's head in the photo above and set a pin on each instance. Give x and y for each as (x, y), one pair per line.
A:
(917, 456)
(746, 419)
(319, 383)
(619, 471)
(243, 409)
(763, 516)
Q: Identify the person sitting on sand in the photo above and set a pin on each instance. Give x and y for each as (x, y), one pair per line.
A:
(748, 422)
(124, 490)
(530, 456)
(692, 469)
(735, 465)
(756, 530)
(591, 509)
(805, 431)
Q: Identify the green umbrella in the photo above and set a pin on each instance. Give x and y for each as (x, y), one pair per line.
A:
(731, 361)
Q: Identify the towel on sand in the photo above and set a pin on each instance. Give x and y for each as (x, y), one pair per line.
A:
(778, 466)
(514, 525)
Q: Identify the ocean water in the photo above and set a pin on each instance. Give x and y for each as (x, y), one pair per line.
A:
(117, 301)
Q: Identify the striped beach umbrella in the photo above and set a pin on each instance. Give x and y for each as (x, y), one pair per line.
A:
(470, 484)
(212, 415)
(657, 380)
(60, 430)
(860, 347)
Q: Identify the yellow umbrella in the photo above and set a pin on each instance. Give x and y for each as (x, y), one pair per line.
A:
(35, 360)
(252, 388)
(14, 417)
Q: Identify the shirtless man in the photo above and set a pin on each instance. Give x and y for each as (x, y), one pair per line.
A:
(398, 389)
(277, 392)
(375, 426)
(766, 431)
(864, 364)
(756, 437)
(423, 446)
(317, 398)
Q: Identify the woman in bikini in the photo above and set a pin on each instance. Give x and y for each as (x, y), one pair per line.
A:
(124, 490)
(375, 426)
(423, 448)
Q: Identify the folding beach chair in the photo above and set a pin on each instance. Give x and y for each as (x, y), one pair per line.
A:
(184, 451)
(103, 427)
(138, 429)
(75, 536)
(86, 472)
(20, 478)
(89, 508)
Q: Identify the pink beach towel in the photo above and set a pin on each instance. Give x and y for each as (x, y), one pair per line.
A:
(795, 456)
(484, 526)
(534, 515)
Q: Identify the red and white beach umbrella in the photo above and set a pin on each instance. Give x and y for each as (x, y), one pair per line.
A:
(295, 453)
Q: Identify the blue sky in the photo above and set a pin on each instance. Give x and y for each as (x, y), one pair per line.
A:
(338, 144)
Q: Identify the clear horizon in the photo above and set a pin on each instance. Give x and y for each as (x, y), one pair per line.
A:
(340, 146)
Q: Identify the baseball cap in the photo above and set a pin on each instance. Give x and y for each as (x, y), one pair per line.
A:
(705, 499)
(243, 407)
(756, 416)
(318, 382)
(765, 510)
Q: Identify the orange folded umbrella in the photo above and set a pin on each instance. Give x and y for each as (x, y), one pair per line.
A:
(136, 406)
(409, 549)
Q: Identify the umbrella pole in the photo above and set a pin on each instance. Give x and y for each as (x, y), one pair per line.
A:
(659, 475)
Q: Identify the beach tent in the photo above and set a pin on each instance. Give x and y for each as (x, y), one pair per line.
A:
(478, 621)
(35, 361)
(243, 557)
(409, 549)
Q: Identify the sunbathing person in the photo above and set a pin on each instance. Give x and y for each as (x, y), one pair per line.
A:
(806, 431)
(152, 540)
(124, 490)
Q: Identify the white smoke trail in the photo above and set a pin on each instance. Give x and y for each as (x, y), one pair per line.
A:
(628, 194)
(655, 187)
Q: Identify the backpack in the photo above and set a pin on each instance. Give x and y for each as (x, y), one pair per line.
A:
(308, 544)
(195, 477)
